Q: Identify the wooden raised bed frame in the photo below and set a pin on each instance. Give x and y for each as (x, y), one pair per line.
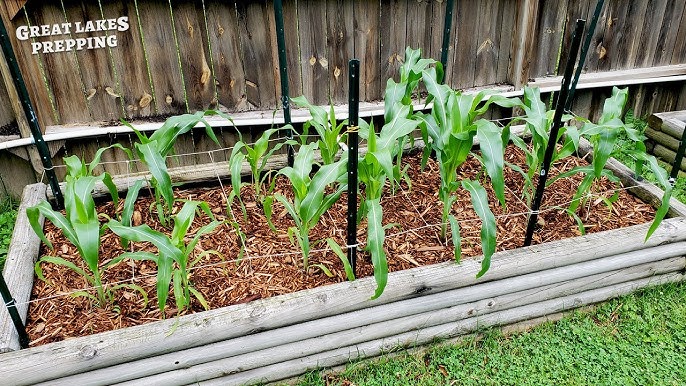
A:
(284, 336)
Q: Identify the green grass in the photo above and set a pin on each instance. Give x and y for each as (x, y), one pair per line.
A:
(638, 339)
(8, 215)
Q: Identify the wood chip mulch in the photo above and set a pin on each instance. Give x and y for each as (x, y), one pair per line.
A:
(270, 265)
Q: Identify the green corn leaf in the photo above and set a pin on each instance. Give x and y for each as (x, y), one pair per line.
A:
(661, 211)
(268, 206)
(44, 208)
(202, 231)
(324, 269)
(325, 176)
(457, 240)
(64, 263)
(350, 275)
(200, 298)
(111, 187)
(75, 167)
(488, 226)
(179, 296)
(603, 149)
(88, 235)
(158, 168)
(439, 93)
(491, 145)
(98, 155)
(130, 201)
(289, 208)
(182, 222)
(375, 239)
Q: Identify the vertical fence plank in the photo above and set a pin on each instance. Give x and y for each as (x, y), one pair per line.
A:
(290, 20)
(437, 15)
(30, 69)
(393, 33)
(631, 30)
(103, 94)
(655, 16)
(507, 24)
(339, 17)
(679, 55)
(522, 44)
(255, 33)
(367, 48)
(466, 46)
(579, 9)
(223, 33)
(615, 15)
(130, 62)
(191, 34)
(420, 25)
(669, 33)
(488, 40)
(314, 60)
(551, 29)
(158, 37)
(69, 96)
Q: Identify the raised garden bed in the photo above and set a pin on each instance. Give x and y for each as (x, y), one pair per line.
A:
(286, 335)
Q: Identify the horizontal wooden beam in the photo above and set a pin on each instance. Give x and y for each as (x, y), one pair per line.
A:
(615, 78)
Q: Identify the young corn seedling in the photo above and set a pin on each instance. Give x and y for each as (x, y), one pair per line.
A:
(374, 170)
(257, 156)
(310, 197)
(81, 226)
(331, 133)
(153, 151)
(450, 130)
(174, 255)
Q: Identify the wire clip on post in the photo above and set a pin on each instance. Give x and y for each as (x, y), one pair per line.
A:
(554, 130)
(11, 305)
(353, 139)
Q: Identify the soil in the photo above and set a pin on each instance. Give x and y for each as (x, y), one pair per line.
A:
(270, 265)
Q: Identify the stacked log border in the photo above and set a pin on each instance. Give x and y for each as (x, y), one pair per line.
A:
(284, 336)
(664, 132)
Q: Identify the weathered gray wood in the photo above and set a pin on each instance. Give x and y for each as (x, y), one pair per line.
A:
(325, 334)
(610, 76)
(662, 138)
(114, 347)
(522, 45)
(668, 155)
(646, 191)
(298, 366)
(18, 271)
(674, 127)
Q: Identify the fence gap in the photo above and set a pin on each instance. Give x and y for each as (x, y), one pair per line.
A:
(554, 130)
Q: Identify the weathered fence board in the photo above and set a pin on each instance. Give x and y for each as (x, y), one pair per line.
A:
(669, 31)
(340, 30)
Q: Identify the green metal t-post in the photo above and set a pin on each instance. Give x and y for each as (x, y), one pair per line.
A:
(283, 71)
(446, 35)
(30, 115)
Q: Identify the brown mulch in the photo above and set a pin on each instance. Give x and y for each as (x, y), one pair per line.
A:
(270, 265)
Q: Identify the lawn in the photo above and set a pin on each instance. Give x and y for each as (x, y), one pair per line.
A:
(8, 215)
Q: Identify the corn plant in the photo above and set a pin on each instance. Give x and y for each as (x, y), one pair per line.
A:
(154, 149)
(310, 197)
(171, 250)
(331, 133)
(450, 130)
(257, 156)
(374, 170)
(81, 225)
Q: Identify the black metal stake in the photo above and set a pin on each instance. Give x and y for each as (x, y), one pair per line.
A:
(11, 305)
(19, 84)
(446, 34)
(353, 112)
(584, 51)
(283, 71)
(555, 129)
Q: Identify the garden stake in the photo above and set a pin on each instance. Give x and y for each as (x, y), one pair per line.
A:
(11, 305)
(446, 35)
(283, 71)
(30, 115)
(677, 160)
(353, 110)
(557, 123)
(584, 51)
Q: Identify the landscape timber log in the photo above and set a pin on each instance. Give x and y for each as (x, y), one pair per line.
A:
(18, 271)
(280, 346)
(298, 366)
(644, 190)
(87, 353)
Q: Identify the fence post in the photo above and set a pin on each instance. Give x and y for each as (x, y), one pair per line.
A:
(283, 71)
(43, 150)
(447, 27)
(353, 112)
(554, 130)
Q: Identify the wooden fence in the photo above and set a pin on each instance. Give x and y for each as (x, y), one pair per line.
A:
(160, 58)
